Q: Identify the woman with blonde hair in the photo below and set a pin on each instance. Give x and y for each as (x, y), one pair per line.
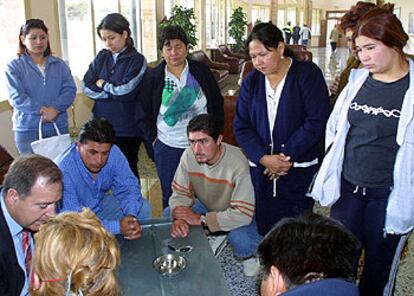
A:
(75, 255)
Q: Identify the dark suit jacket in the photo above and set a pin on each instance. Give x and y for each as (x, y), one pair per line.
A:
(11, 275)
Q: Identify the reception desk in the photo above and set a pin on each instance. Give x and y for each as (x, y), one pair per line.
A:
(202, 275)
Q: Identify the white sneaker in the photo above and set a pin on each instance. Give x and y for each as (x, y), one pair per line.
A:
(217, 243)
(251, 266)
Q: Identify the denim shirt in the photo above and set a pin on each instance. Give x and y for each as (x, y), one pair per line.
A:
(115, 179)
(29, 91)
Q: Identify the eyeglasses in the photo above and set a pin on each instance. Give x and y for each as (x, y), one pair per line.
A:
(183, 249)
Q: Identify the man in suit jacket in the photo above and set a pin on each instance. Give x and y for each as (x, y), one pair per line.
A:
(32, 187)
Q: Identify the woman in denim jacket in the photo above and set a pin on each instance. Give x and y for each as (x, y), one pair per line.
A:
(40, 86)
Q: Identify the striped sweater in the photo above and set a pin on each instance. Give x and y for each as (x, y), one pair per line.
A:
(225, 188)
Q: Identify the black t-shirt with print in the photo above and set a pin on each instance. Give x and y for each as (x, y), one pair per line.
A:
(371, 146)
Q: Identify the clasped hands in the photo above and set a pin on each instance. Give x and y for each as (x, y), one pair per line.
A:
(130, 227)
(277, 165)
(183, 218)
(48, 114)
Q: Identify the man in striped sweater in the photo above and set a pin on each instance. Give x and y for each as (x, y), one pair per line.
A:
(212, 188)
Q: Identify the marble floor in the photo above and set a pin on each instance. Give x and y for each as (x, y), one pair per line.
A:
(331, 65)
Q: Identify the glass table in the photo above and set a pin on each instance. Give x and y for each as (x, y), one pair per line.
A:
(137, 276)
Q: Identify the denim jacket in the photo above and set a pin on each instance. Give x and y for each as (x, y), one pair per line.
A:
(29, 91)
(326, 187)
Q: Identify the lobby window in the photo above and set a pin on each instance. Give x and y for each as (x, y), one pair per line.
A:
(79, 19)
(215, 22)
(260, 13)
(11, 18)
(316, 22)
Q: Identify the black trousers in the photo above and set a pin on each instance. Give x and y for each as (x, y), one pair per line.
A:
(130, 147)
(362, 211)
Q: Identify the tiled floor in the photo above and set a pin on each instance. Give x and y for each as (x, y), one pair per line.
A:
(331, 65)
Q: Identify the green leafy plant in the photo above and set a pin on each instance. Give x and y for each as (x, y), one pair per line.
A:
(238, 26)
(186, 19)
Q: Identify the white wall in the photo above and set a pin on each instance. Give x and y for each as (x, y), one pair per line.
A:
(48, 11)
(407, 6)
(333, 4)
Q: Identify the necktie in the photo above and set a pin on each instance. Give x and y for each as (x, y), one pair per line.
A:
(27, 251)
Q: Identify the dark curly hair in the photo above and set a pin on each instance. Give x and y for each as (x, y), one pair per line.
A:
(97, 130)
(206, 123)
(350, 19)
(310, 245)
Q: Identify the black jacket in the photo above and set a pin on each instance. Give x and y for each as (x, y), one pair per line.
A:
(153, 86)
(11, 275)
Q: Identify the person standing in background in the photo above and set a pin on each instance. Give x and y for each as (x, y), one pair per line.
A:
(296, 34)
(333, 37)
(113, 81)
(348, 24)
(40, 86)
(288, 32)
(305, 33)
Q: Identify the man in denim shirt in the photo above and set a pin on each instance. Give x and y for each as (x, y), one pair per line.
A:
(96, 175)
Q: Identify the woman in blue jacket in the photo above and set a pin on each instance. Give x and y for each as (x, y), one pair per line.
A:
(113, 80)
(40, 86)
(280, 119)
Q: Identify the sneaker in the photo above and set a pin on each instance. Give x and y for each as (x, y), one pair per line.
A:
(217, 243)
(251, 266)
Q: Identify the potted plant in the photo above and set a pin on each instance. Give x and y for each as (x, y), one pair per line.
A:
(238, 26)
(186, 19)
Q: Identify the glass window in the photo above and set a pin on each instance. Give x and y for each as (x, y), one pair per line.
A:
(101, 9)
(11, 18)
(281, 18)
(77, 36)
(260, 13)
(291, 15)
(149, 30)
(79, 19)
(316, 22)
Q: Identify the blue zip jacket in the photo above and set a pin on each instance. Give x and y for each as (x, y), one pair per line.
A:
(116, 100)
(301, 116)
(331, 287)
(29, 91)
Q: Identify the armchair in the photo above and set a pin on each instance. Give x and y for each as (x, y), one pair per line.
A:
(220, 70)
(225, 50)
(301, 53)
(234, 63)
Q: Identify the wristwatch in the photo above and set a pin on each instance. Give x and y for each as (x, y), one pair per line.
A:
(203, 220)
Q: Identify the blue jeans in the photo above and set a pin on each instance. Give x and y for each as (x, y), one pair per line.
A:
(23, 139)
(110, 209)
(166, 160)
(244, 239)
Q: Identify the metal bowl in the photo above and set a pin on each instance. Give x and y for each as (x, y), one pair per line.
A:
(169, 264)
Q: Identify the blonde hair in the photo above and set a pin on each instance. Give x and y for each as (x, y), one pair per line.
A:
(77, 245)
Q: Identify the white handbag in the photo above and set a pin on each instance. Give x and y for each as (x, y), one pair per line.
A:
(52, 146)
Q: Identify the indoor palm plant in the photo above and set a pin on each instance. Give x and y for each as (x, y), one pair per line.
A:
(185, 18)
(238, 26)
